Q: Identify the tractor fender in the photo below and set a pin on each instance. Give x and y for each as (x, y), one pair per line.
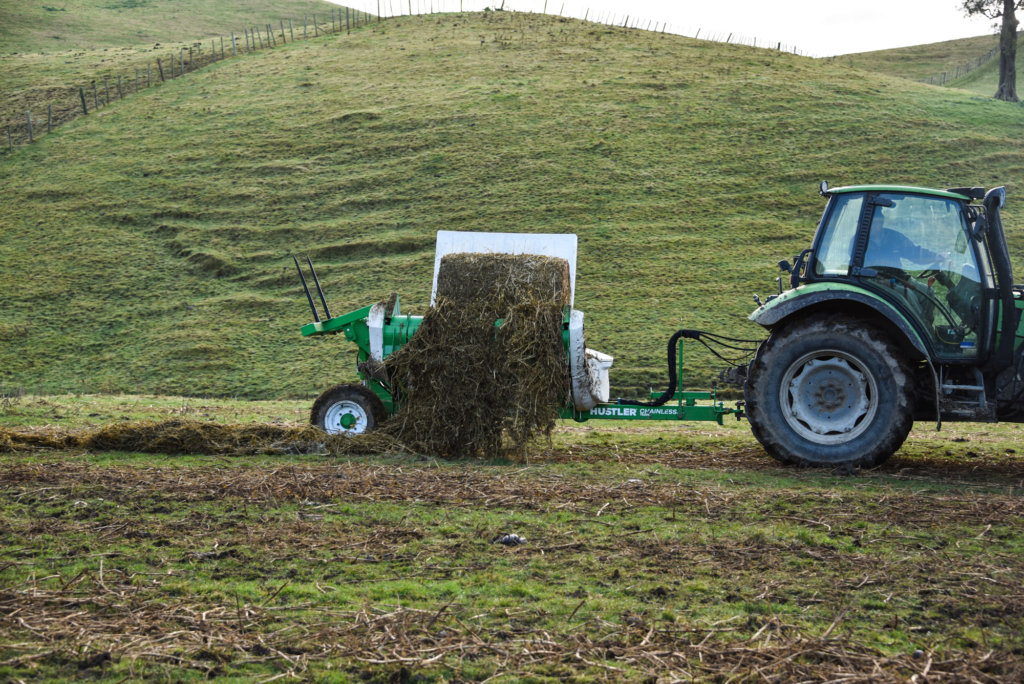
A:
(813, 296)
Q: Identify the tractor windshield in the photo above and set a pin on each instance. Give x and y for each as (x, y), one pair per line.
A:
(836, 248)
(919, 248)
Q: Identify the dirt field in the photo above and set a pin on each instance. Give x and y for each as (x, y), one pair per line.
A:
(650, 554)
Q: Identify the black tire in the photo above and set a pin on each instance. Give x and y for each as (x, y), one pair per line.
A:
(855, 388)
(353, 400)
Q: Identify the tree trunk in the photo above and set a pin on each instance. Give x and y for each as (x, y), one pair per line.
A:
(1008, 54)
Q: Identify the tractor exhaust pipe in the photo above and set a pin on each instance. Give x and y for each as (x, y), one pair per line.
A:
(309, 297)
(319, 289)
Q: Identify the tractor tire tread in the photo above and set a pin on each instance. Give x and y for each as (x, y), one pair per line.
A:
(763, 426)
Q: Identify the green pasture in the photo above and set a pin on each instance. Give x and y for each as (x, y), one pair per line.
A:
(147, 248)
(88, 24)
(918, 62)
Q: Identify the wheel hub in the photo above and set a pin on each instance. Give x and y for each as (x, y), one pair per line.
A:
(828, 397)
(345, 417)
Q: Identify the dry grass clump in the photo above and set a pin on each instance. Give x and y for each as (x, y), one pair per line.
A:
(469, 388)
(199, 437)
(95, 619)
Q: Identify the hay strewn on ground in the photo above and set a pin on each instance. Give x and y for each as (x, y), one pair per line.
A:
(199, 437)
(468, 388)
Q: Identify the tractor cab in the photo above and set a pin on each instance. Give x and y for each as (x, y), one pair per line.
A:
(902, 309)
(917, 249)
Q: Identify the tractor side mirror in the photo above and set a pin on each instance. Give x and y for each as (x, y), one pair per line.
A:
(785, 267)
(979, 228)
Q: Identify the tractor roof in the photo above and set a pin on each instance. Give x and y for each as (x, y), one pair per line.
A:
(898, 188)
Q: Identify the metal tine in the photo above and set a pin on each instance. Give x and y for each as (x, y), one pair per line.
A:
(316, 316)
(319, 289)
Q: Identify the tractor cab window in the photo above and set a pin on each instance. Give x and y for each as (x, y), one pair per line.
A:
(920, 251)
(835, 250)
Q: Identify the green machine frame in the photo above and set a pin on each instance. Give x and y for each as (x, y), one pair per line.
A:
(397, 329)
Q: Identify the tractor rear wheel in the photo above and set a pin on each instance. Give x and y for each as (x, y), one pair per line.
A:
(830, 391)
(348, 410)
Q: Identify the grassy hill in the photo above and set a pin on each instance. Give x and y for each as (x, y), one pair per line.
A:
(51, 51)
(91, 24)
(147, 247)
(921, 61)
(985, 79)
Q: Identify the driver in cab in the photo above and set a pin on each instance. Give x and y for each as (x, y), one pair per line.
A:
(887, 247)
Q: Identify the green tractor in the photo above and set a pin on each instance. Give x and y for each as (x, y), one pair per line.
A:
(902, 309)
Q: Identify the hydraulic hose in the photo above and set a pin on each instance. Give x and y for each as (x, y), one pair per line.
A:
(673, 375)
(673, 378)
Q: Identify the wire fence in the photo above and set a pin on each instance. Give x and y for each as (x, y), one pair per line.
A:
(100, 92)
(961, 70)
(118, 84)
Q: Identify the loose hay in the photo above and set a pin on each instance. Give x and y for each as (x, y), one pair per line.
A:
(504, 280)
(198, 437)
(468, 388)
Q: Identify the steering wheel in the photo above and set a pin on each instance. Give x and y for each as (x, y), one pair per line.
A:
(909, 282)
(936, 270)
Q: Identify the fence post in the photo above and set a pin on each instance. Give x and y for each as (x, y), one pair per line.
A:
(148, 68)
(316, 29)
(234, 50)
(10, 145)
(106, 92)
(120, 95)
(136, 79)
(348, 26)
(28, 115)
(181, 62)
(283, 39)
(222, 47)
(305, 23)
(333, 30)
(291, 30)
(95, 97)
(260, 37)
(213, 44)
(49, 118)
(160, 66)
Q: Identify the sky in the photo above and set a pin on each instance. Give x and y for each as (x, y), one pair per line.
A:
(816, 28)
